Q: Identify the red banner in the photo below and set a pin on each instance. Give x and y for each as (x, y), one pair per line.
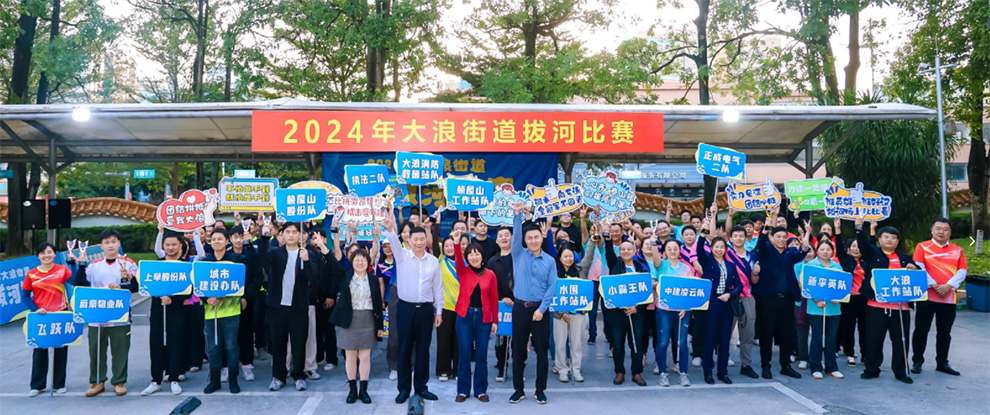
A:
(456, 131)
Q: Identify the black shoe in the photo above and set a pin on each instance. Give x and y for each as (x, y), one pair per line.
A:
(789, 372)
(709, 379)
(352, 392)
(402, 397)
(869, 375)
(725, 379)
(748, 372)
(427, 395)
(516, 397)
(905, 378)
(214, 384)
(916, 368)
(363, 393)
(767, 373)
(591, 341)
(948, 370)
(234, 387)
(541, 398)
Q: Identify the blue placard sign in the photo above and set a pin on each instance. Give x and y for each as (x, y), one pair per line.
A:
(301, 204)
(366, 179)
(100, 305)
(626, 290)
(572, 295)
(164, 278)
(720, 161)
(52, 330)
(900, 285)
(676, 293)
(218, 279)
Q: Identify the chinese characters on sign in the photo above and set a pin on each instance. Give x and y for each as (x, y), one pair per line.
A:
(12, 272)
(856, 203)
(218, 279)
(900, 285)
(626, 290)
(504, 319)
(615, 197)
(553, 199)
(468, 193)
(353, 209)
(418, 169)
(163, 278)
(456, 131)
(298, 205)
(572, 295)
(247, 195)
(753, 197)
(51, 330)
(100, 305)
(677, 293)
(808, 194)
(499, 212)
(366, 179)
(825, 284)
(720, 161)
(193, 209)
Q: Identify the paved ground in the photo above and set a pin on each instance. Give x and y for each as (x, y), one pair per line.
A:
(931, 391)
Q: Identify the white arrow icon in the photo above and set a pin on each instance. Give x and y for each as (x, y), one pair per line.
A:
(971, 241)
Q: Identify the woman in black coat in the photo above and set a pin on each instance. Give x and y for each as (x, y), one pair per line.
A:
(358, 317)
(726, 287)
(620, 326)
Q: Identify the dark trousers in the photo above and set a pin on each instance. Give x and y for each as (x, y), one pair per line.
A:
(593, 315)
(699, 325)
(623, 333)
(524, 328)
(260, 323)
(944, 315)
(326, 337)
(823, 348)
(501, 354)
(415, 331)
(39, 368)
(221, 344)
(472, 335)
(718, 330)
(447, 344)
(196, 340)
(288, 326)
(167, 357)
(245, 333)
(852, 325)
(392, 348)
(776, 316)
(878, 322)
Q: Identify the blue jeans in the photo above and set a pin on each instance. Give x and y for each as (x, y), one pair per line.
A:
(665, 327)
(815, 357)
(221, 339)
(472, 340)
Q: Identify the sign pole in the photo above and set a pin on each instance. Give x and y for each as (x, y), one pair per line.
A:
(419, 201)
(632, 329)
(904, 337)
(99, 347)
(164, 327)
(51, 392)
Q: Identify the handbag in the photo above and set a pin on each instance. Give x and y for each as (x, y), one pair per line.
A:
(738, 311)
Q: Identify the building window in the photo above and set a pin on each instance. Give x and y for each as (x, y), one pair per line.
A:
(956, 172)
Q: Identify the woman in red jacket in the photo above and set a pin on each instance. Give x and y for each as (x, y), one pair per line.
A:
(477, 319)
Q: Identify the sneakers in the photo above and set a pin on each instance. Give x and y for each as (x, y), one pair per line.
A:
(500, 377)
(562, 376)
(248, 371)
(748, 371)
(444, 377)
(851, 361)
(224, 375)
(685, 381)
(120, 390)
(300, 384)
(34, 392)
(312, 375)
(767, 374)
(60, 391)
(194, 369)
(95, 389)
(787, 371)
(837, 374)
(182, 377)
(696, 362)
(818, 375)
(152, 388)
(541, 398)
(516, 397)
(275, 385)
(732, 363)
(393, 375)
(176, 389)
(656, 369)
(577, 376)
(664, 380)
(329, 366)
(803, 364)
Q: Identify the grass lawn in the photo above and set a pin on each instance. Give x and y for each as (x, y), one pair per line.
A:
(137, 256)
(978, 264)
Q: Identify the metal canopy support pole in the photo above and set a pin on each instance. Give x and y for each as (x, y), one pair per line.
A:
(809, 152)
(52, 175)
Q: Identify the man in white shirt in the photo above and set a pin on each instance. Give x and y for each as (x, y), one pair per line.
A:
(418, 283)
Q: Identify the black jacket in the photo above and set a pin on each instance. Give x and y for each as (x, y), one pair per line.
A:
(874, 258)
(501, 265)
(328, 275)
(274, 260)
(343, 311)
(712, 272)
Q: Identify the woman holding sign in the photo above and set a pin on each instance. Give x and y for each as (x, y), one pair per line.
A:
(477, 318)
(619, 327)
(573, 326)
(43, 292)
(359, 320)
(225, 314)
(823, 315)
(673, 264)
(725, 287)
(447, 331)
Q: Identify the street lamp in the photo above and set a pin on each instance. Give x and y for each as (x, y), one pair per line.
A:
(730, 115)
(80, 114)
(922, 70)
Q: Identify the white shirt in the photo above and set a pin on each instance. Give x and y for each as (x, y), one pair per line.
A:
(418, 279)
(101, 274)
(289, 277)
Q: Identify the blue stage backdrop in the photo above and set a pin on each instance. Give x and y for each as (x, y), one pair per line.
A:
(520, 169)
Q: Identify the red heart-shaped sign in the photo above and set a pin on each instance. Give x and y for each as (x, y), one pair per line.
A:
(191, 210)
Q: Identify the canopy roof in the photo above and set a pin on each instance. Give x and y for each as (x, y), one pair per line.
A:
(222, 131)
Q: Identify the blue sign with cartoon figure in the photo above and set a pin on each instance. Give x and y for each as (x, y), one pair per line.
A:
(825, 284)
(468, 193)
(418, 169)
(100, 305)
(218, 279)
(52, 330)
(676, 293)
(626, 290)
(499, 212)
(720, 161)
(609, 193)
(900, 285)
(164, 278)
(366, 179)
(572, 295)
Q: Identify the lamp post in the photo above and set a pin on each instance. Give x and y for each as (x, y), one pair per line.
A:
(925, 69)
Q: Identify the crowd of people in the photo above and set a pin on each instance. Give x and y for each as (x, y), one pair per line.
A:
(310, 300)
